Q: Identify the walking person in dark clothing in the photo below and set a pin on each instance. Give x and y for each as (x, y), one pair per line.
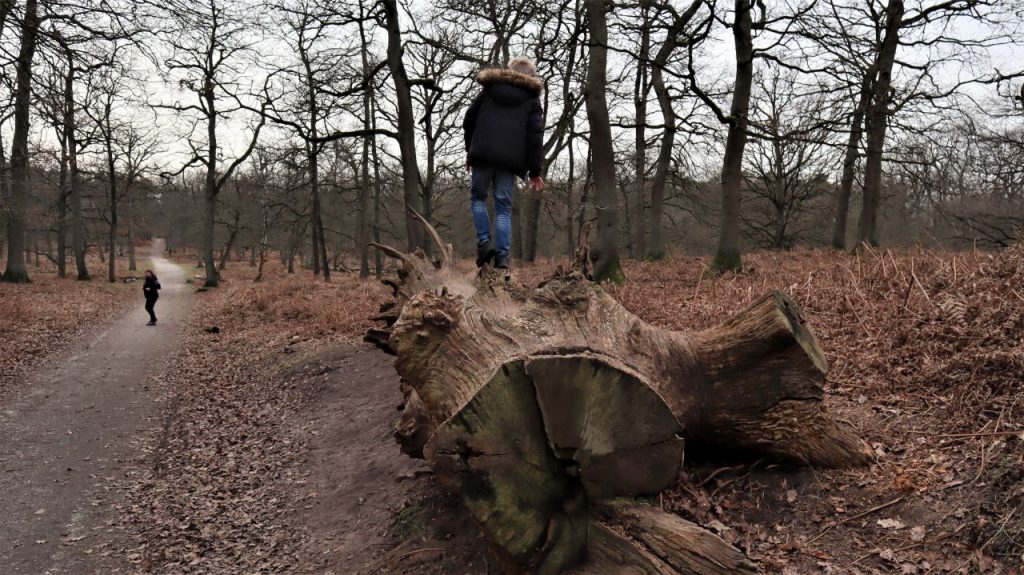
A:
(151, 289)
(504, 131)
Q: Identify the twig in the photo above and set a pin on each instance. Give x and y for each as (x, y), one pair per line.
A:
(414, 552)
(912, 274)
(906, 296)
(984, 447)
(715, 473)
(735, 479)
(984, 459)
(856, 315)
(1017, 294)
(700, 277)
(895, 265)
(990, 539)
(942, 537)
(968, 435)
(856, 517)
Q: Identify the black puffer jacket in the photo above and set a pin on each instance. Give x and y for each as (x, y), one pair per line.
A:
(151, 288)
(504, 126)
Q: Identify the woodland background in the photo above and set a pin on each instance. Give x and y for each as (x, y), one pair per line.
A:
(272, 141)
(305, 127)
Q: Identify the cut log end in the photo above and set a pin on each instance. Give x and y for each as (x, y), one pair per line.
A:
(793, 316)
(538, 406)
(765, 374)
(545, 438)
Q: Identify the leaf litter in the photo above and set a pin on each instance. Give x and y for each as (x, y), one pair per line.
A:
(926, 362)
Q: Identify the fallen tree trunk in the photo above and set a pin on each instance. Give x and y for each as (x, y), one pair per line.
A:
(537, 405)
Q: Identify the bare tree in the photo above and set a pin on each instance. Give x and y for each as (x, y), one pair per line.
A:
(440, 97)
(110, 88)
(208, 44)
(787, 161)
(877, 122)
(676, 30)
(727, 256)
(562, 61)
(311, 28)
(406, 123)
(369, 140)
(608, 267)
(16, 270)
(863, 45)
(136, 146)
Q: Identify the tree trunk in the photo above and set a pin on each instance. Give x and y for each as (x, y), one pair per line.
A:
(850, 163)
(570, 185)
(315, 240)
(627, 220)
(62, 211)
(132, 264)
(71, 133)
(608, 267)
(20, 175)
(320, 261)
(517, 225)
(641, 93)
(112, 231)
(231, 242)
(406, 122)
(5, 191)
(364, 208)
(877, 120)
(378, 259)
(727, 257)
(319, 244)
(781, 183)
(263, 244)
(656, 244)
(364, 165)
(540, 406)
(210, 186)
(588, 184)
(533, 203)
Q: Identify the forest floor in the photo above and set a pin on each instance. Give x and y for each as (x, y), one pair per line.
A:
(277, 456)
(926, 353)
(70, 424)
(274, 454)
(45, 316)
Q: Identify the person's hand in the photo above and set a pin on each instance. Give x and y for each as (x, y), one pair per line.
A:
(537, 183)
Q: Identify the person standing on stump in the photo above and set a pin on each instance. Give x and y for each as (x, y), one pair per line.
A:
(151, 289)
(504, 131)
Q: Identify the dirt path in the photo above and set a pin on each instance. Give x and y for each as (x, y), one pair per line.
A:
(69, 430)
(370, 509)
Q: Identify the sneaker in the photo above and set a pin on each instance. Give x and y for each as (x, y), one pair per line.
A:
(151, 323)
(501, 261)
(484, 253)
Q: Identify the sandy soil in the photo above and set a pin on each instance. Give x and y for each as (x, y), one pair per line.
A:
(370, 509)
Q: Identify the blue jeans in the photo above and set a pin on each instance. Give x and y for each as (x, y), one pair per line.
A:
(504, 183)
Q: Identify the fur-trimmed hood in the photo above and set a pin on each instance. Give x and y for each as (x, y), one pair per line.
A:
(491, 76)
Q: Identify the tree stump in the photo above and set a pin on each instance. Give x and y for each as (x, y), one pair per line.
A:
(543, 407)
